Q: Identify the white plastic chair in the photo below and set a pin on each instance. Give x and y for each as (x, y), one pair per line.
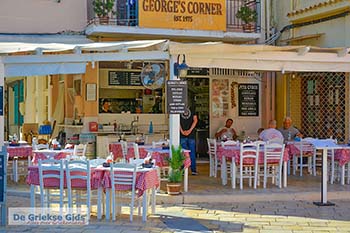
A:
(123, 174)
(51, 170)
(249, 171)
(213, 160)
(79, 171)
(276, 140)
(273, 161)
(79, 150)
(306, 149)
(124, 146)
(136, 151)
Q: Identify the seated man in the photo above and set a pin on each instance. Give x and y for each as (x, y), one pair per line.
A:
(288, 131)
(271, 132)
(226, 132)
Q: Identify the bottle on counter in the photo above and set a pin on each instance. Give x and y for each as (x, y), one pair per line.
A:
(150, 128)
(115, 125)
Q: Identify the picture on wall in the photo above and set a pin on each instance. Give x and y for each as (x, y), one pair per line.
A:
(220, 97)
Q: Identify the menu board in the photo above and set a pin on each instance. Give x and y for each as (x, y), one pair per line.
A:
(248, 96)
(124, 78)
(176, 96)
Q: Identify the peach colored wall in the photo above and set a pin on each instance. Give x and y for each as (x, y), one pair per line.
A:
(90, 76)
(42, 16)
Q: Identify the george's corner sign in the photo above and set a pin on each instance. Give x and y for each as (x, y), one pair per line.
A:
(183, 14)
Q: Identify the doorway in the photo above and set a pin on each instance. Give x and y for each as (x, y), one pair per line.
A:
(198, 97)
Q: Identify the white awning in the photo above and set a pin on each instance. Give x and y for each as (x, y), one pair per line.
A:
(263, 57)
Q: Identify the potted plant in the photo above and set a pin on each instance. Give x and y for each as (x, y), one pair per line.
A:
(104, 9)
(248, 16)
(176, 171)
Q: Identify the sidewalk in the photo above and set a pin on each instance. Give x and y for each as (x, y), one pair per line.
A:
(278, 216)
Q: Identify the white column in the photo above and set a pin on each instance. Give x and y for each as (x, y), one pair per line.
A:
(2, 120)
(174, 119)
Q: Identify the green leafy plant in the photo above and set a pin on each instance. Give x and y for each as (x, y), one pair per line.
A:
(176, 163)
(103, 8)
(247, 14)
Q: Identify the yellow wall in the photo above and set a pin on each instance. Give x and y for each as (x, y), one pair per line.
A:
(280, 101)
(91, 76)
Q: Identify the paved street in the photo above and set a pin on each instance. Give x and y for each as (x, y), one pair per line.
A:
(277, 216)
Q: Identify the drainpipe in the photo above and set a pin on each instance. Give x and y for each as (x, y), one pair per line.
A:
(174, 119)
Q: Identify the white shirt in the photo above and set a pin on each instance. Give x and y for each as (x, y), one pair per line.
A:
(269, 134)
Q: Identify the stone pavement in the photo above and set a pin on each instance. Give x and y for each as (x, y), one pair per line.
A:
(211, 207)
(263, 216)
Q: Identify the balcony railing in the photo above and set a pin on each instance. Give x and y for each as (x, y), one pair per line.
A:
(127, 15)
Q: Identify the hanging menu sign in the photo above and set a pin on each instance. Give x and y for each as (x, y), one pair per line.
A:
(124, 78)
(176, 96)
(248, 97)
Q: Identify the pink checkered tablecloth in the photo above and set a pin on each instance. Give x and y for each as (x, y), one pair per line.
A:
(145, 179)
(234, 152)
(33, 179)
(50, 154)
(116, 149)
(342, 156)
(23, 151)
(161, 155)
(158, 154)
(294, 150)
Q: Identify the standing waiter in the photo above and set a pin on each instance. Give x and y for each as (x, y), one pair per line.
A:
(188, 122)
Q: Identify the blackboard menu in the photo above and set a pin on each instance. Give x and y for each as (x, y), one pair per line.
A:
(176, 96)
(248, 97)
(124, 78)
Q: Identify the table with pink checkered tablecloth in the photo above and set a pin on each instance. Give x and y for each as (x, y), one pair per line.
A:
(116, 149)
(50, 154)
(233, 152)
(22, 151)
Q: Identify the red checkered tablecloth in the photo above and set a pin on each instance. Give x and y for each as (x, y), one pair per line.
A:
(234, 152)
(21, 151)
(116, 149)
(50, 154)
(342, 156)
(33, 179)
(145, 179)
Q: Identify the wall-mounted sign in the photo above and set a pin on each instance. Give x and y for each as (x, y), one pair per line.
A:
(124, 78)
(183, 14)
(248, 98)
(194, 71)
(176, 96)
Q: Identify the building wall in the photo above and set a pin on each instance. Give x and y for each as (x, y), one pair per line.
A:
(42, 16)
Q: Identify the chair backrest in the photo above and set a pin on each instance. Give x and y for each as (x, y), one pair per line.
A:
(78, 174)
(51, 174)
(304, 146)
(123, 175)
(136, 150)
(159, 143)
(211, 146)
(249, 151)
(276, 140)
(79, 150)
(124, 145)
(273, 152)
(229, 143)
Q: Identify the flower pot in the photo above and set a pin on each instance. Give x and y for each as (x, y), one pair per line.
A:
(104, 19)
(248, 27)
(174, 188)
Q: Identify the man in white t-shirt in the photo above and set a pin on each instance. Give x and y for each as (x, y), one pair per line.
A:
(226, 132)
(271, 132)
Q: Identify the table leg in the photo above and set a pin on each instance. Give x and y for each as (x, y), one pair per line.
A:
(153, 200)
(223, 170)
(144, 206)
(99, 203)
(186, 180)
(285, 169)
(324, 201)
(108, 204)
(32, 195)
